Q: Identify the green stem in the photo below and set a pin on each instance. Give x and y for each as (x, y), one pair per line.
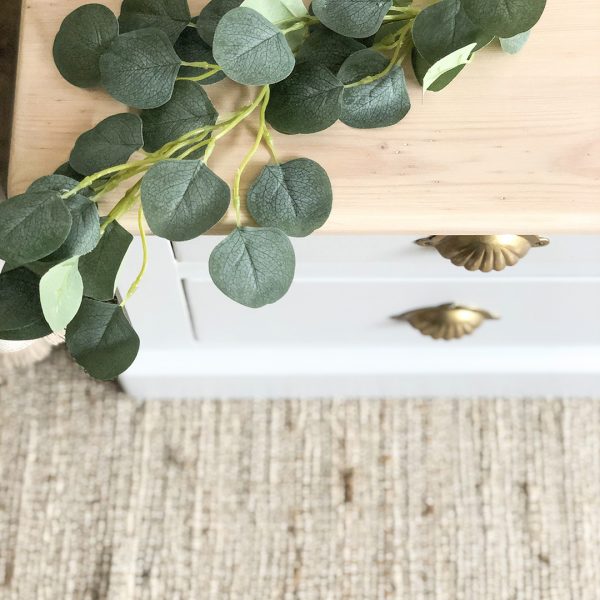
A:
(202, 77)
(200, 65)
(295, 27)
(270, 144)
(262, 127)
(124, 205)
(136, 283)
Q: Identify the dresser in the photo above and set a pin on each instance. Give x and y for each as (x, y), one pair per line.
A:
(505, 160)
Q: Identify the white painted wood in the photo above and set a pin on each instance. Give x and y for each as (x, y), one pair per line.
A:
(397, 256)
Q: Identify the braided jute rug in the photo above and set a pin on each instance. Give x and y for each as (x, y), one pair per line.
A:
(103, 497)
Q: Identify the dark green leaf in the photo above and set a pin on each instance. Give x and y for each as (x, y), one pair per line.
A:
(421, 66)
(250, 49)
(170, 16)
(100, 267)
(352, 18)
(21, 316)
(513, 45)
(190, 47)
(327, 48)
(189, 108)
(183, 199)
(442, 28)
(83, 37)
(108, 144)
(101, 339)
(254, 266)
(140, 68)
(295, 197)
(309, 100)
(211, 15)
(504, 18)
(32, 226)
(380, 103)
(85, 227)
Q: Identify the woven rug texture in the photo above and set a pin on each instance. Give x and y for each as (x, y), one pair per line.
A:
(103, 497)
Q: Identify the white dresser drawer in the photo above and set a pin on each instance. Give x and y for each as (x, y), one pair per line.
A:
(319, 313)
(398, 256)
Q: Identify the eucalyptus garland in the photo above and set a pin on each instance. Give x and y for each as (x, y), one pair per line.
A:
(338, 60)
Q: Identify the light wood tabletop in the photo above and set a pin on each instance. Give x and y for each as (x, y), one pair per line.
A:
(511, 146)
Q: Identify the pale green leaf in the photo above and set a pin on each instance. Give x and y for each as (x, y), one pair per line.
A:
(449, 63)
(515, 44)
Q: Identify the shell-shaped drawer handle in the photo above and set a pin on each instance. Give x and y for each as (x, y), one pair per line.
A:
(484, 252)
(447, 321)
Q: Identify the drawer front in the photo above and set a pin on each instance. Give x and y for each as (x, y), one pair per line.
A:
(354, 312)
(398, 256)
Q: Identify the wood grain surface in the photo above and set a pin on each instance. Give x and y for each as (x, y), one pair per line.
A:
(513, 145)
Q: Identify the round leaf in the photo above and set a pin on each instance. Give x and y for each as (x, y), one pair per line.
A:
(140, 68)
(444, 27)
(253, 266)
(190, 47)
(250, 49)
(61, 293)
(170, 16)
(21, 316)
(352, 18)
(189, 108)
(327, 48)
(307, 101)
(83, 37)
(295, 197)
(504, 18)
(108, 144)
(32, 226)
(380, 103)
(183, 199)
(211, 15)
(101, 339)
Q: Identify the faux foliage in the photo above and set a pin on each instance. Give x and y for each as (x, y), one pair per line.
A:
(313, 65)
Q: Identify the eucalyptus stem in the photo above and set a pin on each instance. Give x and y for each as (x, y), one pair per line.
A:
(270, 144)
(124, 205)
(134, 286)
(200, 64)
(202, 77)
(262, 127)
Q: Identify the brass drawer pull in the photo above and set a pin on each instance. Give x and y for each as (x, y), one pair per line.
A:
(447, 321)
(484, 252)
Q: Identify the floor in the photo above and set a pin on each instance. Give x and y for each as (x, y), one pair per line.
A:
(103, 497)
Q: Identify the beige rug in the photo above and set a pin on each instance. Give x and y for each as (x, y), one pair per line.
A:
(105, 498)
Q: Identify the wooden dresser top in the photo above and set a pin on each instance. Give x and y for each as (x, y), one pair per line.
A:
(511, 146)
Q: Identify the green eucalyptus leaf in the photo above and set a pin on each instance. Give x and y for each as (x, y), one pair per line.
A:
(101, 339)
(32, 226)
(250, 49)
(183, 199)
(190, 47)
(444, 27)
(327, 48)
(61, 293)
(421, 67)
(380, 103)
(211, 15)
(295, 197)
(85, 226)
(279, 11)
(504, 18)
(100, 267)
(83, 37)
(309, 100)
(448, 64)
(352, 18)
(140, 68)
(110, 143)
(253, 266)
(515, 44)
(189, 108)
(21, 316)
(170, 16)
